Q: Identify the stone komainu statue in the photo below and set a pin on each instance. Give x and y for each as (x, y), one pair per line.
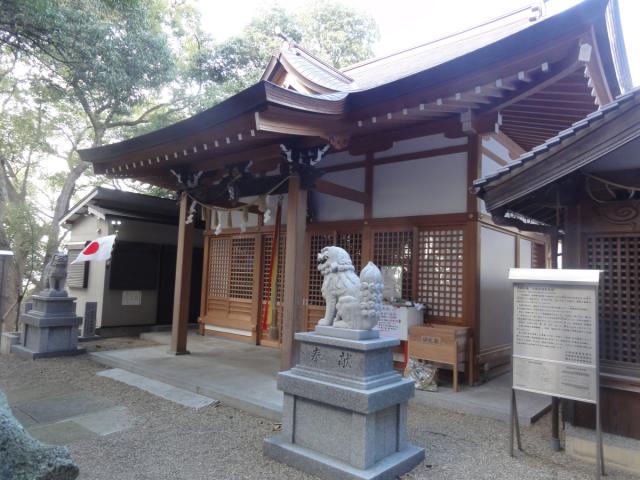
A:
(351, 302)
(23, 458)
(55, 273)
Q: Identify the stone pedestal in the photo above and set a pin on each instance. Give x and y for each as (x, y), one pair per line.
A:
(50, 329)
(7, 341)
(345, 409)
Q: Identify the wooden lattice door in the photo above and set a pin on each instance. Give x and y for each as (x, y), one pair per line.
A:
(618, 256)
(316, 241)
(233, 285)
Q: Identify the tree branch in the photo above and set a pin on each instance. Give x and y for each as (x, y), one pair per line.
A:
(141, 119)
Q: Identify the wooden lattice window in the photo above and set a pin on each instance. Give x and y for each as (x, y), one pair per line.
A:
(241, 269)
(219, 257)
(396, 248)
(440, 272)
(619, 296)
(352, 243)
(267, 242)
(317, 241)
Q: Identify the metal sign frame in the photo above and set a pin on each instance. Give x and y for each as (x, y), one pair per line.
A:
(520, 276)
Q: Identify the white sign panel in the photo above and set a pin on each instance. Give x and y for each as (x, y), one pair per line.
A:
(555, 334)
(132, 297)
(390, 323)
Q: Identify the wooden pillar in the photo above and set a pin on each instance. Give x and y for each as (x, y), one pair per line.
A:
(293, 316)
(471, 307)
(367, 235)
(181, 296)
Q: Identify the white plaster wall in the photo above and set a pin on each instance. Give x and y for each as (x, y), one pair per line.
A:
(428, 186)
(339, 158)
(497, 255)
(525, 253)
(330, 208)
(147, 232)
(418, 144)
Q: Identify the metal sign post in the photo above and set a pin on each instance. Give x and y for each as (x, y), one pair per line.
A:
(555, 341)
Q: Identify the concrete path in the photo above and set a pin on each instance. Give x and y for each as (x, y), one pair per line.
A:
(244, 376)
(238, 374)
(490, 400)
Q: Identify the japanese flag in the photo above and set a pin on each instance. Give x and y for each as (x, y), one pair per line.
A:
(98, 249)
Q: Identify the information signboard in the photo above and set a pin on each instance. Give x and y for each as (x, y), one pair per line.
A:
(554, 339)
(555, 336)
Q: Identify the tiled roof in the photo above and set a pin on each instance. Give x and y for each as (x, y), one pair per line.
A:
(382, 70)
(556, 143)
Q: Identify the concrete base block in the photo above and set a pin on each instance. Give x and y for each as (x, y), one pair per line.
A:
(8, 340)
(619, 452)
(323, 466)
(26, 354)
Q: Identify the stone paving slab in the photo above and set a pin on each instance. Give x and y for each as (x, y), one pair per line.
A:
(106, 422)
(53, 409)
(160, 389)
(237, 374)
(60, 433)
(244, 376)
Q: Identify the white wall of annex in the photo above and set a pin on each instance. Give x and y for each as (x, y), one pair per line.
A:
(497, 256)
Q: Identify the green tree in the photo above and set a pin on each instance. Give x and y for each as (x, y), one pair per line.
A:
(108, 61)
(81, 73)
(334, 32)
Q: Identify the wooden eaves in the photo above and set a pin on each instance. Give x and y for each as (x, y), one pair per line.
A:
(519, 186)
(528, 92)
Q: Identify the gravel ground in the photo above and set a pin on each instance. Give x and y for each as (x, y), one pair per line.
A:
(168, 441)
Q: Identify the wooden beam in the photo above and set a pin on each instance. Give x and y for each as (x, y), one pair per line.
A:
(369, 172)
(288, 122)
(557, 72)
(335, 190)
(293, 319)
(216, 162)
(474, 171)
(181, 296)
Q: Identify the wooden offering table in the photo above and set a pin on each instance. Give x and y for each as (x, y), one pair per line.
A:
(446, 344)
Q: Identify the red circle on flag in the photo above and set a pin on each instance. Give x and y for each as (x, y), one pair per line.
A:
(92, 248)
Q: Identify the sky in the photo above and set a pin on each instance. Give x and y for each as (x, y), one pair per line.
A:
(406, 23)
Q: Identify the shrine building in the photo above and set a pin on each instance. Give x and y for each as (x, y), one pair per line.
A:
(378, 158)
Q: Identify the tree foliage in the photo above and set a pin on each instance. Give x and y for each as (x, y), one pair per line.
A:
(80, 73)
(332, 31)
